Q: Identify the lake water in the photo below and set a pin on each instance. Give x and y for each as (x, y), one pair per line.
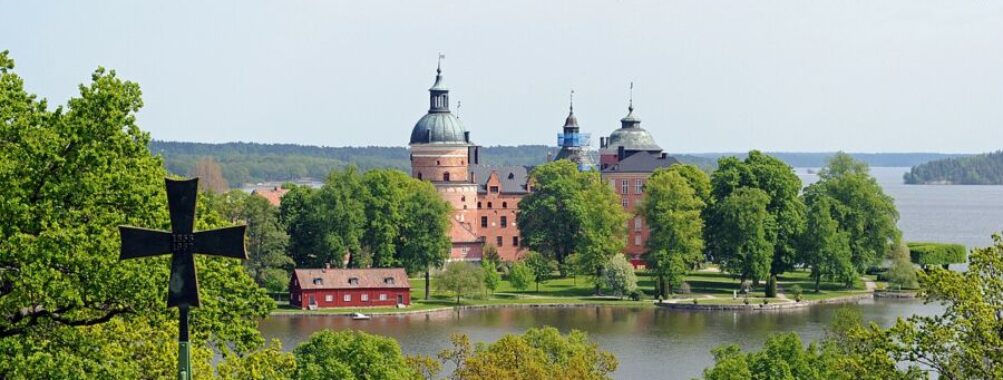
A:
(664, 344)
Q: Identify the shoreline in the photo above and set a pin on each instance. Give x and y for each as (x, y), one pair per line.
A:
(778, 306)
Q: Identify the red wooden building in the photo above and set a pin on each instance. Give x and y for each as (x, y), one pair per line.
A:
(331, 287)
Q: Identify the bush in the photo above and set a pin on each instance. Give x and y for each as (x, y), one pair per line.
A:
(771, 287)
(635, 295)
(685, 288)
(941, 254)
(796, 291)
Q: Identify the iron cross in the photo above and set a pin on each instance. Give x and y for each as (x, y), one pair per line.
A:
(182, 243)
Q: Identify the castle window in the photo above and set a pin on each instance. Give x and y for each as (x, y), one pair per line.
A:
(478, 205)
(515, 241)
(499, 240)
(437, 163)
(612, 184)
(494, 189)
(638, 186)
(445, 176)
(623, 186)
(504, 221)
(484, 222)
(419, 175)
(637, 223)
(489, 204)
(504, 204)
(637, 239)
(624, 202)
(463, 198)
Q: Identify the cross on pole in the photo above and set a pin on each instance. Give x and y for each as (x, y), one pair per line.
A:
(182, 243)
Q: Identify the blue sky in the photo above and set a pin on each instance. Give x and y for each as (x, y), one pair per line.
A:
(862, 76)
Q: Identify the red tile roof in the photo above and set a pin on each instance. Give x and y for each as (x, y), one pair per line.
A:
(272, 194)
(335, 278)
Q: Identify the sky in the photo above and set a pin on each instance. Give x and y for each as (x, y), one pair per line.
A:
(709, 76)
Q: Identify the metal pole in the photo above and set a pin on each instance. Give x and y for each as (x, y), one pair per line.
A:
(184, 353)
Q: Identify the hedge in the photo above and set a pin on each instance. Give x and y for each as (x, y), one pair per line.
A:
(941, 254)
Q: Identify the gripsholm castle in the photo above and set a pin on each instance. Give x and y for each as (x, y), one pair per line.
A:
(485, 199)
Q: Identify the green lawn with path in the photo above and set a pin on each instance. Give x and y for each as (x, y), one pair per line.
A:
(708, 286)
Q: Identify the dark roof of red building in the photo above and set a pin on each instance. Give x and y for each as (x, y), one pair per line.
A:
(513, 178)
(335, 278)
(641, 162)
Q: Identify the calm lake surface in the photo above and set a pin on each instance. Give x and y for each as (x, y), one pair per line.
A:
(663, 344)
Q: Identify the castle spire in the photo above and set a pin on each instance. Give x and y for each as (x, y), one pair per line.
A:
(438, 95)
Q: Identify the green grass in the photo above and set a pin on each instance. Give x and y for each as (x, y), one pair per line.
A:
(580, 290)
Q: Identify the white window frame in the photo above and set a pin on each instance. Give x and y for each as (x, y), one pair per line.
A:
(637, 223)
(347, 297)
(329, 298)
(638, 186)
(383, 296)
(365, 297)
(637, 239)
(624, 186)
(624, 202)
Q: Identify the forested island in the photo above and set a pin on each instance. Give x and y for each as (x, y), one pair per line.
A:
(244, 163)
(981, 169)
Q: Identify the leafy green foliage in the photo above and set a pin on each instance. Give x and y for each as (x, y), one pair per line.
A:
(266, 239)
(266, 363)
(68, 306)
(540, 353)
(744, 232)
(861, 209)
(781, 186)
(901, 273)
(824, 247)
(618, 276)
(351, 355)
(572, 212)
(981, 169)
(941, 254)
(672, 208)
(541, 266)
(521, 275)
(491, 276)
(460, 279)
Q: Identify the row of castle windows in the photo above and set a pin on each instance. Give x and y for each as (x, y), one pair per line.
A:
(503, 222)
(500, 241)
(504, 205)
(625, 186)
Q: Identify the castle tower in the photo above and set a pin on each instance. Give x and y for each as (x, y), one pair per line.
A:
(573, 143)
(442, 153)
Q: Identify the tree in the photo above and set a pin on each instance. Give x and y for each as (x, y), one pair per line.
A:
(68, 306)
(491, 277)
(540, 353)
(341, 207)
(425, 230)
(901, 273)
(521, 276)
(744, 242)
(672, 210)
(571, 212)
(862, 209)
(541, 266)
(781, 186)
(603, 233)
(387, 191)
(351, 355)
(824, 247)
(460, 279)
(619, 277)
(266, 363)
(266, 238)
(490, 253)
(210, 176)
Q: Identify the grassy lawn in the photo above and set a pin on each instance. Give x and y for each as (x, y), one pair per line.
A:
(708, 286)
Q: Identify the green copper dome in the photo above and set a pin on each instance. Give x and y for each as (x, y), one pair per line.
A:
(631, 136)
(438, 128)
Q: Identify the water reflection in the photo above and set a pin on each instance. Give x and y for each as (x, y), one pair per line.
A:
(650, 343)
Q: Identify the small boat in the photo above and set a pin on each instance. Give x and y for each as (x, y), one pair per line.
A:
(360, 317)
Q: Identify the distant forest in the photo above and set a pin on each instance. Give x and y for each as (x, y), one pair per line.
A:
(249, 163)
(981, 169)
